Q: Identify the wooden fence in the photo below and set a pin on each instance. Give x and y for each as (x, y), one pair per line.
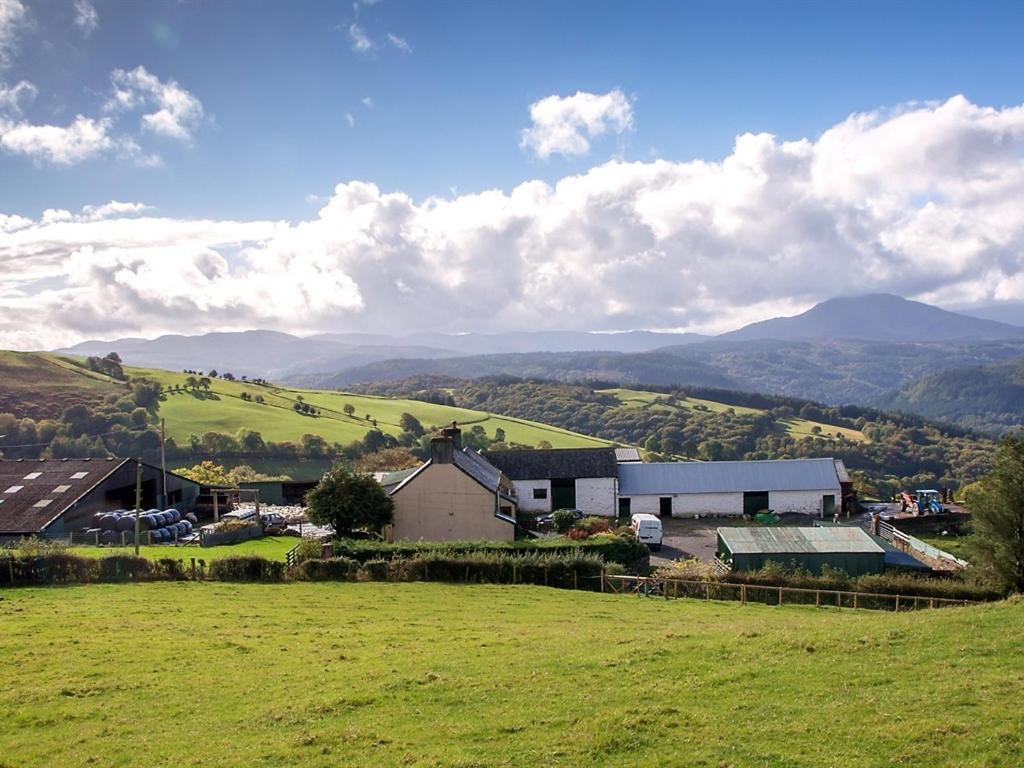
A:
(653, 586)
(905, 541)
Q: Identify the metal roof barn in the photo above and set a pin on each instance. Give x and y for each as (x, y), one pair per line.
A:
(728, 476)
(845, 548)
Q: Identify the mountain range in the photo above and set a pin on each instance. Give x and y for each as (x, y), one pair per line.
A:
(869, 350)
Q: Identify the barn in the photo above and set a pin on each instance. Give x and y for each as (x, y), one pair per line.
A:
(454, 496)
(53, 497)
(844, 548)
(731, 488)
(562, 478)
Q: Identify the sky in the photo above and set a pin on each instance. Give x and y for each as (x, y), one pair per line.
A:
(388, 166)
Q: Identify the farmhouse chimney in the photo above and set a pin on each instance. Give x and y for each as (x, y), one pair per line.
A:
(442, 448)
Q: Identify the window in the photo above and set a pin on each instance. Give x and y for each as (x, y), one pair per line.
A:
(14, 489)
(43, 503)
(61, 488)
(33, 475)
(540, 493)
(79, 475)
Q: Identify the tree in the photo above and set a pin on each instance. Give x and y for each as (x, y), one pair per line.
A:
(411, 424)
(347, 501)
(388, 460)
(207, 473)
(997, 516)
(499, 435)
(349, 409)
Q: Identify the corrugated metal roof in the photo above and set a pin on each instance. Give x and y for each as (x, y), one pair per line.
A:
(32, 493)
(790, 540)
(844, 476)
(728, 476)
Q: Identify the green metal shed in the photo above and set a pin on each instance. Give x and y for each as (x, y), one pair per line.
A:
(842, 547)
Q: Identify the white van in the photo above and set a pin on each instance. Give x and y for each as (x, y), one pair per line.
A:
(647, 529)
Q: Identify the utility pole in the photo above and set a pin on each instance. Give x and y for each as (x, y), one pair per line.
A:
(138, 502)
(163, 465)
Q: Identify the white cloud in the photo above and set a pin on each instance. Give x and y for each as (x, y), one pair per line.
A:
(565, 125)
(399, 42)
(350, 120)
(177, 113)
(113, 209)
(86, 18)
(14, 97)
(358, 39)
(13, 16)
(84, 138)
(920, 201)
(367, 102)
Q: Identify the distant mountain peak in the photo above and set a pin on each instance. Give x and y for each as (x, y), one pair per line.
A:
(876, 317)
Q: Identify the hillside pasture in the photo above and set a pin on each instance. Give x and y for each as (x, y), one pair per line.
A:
(41, 386)
(367, 674)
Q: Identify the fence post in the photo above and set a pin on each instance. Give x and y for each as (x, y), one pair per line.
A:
(839, 600)
(193, 569)
(743, 594)
(707, 590)
(780, 595)
(897, 603)
(817, 598)
(575, 579)
(602, 576)
(10, 567)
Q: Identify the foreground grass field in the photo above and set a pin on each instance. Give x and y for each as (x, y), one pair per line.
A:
(207, 674)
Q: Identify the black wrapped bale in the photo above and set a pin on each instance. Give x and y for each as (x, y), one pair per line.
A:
(108, 522)
(126, 523)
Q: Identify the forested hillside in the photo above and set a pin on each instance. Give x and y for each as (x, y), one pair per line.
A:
(895, 451)
(988, 398)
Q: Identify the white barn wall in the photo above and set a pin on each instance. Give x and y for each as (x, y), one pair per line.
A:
(731, 504)
(804, 502)
(524, 493)
(596, 495)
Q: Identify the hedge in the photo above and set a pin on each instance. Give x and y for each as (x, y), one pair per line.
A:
(612, 548)
(246, 568)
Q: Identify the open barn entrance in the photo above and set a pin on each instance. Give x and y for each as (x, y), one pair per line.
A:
(754, 502)
(563, 493)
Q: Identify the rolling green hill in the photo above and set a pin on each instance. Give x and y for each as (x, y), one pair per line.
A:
(416, 674)
(41, 386)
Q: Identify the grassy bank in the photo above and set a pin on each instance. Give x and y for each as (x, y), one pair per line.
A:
(426, 675)
(270, 547)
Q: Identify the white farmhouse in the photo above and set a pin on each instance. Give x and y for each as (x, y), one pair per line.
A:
(732, 488)
(562, 478)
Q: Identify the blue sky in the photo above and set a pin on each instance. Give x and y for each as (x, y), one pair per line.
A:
(277, 79)
(195, 166)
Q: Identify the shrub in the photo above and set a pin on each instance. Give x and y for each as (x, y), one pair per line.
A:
(169, 568)
(246, 568)
(375, 570)
(123, 568)
(309, 549)
(331, 569)
(562, 520)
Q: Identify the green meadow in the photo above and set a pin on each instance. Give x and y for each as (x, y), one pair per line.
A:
(414, 674)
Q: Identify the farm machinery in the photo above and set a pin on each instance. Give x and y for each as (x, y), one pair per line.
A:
(922, 501)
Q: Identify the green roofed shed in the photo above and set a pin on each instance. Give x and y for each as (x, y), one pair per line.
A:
(842, 547)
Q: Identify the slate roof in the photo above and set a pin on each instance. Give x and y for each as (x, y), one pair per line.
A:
(790, 540)
(469, 461)
(728, 476)
(627, 454)
(548, 464)
(35, 492)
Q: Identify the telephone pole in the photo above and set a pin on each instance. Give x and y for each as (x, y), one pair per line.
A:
(138, 502)
(163, 465)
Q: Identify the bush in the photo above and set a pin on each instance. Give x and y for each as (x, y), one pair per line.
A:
(169, 568)
(331, 569)
(246, 568)
(375, 570)
(123, 568)
(562, 520)
(309, 549)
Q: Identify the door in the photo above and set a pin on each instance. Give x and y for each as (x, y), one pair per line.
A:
(563, 493)
(754, 502)
(665, 506)
(624, 507)
(828, 505)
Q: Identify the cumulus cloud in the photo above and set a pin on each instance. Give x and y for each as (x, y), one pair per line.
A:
(177, 112)
(13, 16)
(86, 17)
(83, 138)
(14, 98)
(565, 125)
(923, 201)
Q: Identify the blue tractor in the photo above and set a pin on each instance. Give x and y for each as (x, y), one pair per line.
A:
(928, 502)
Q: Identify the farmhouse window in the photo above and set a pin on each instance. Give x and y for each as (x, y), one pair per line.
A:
(540, 493)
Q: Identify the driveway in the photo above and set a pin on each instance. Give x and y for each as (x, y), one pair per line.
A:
(683, 538)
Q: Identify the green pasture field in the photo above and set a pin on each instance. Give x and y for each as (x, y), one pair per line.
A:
(415, 674)
(270, 547)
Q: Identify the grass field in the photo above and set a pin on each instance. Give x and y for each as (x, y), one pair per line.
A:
(42, 386)
(270, 547)
(798, 428)
(213, 674)
(955, 545)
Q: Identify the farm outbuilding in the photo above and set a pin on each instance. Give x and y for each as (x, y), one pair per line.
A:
(731, 488)
(845, 548)
(53, 497)
(562, 478)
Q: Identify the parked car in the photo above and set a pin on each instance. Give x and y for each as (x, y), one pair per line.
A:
(273, 522)
(647, 529)
(545, 522)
